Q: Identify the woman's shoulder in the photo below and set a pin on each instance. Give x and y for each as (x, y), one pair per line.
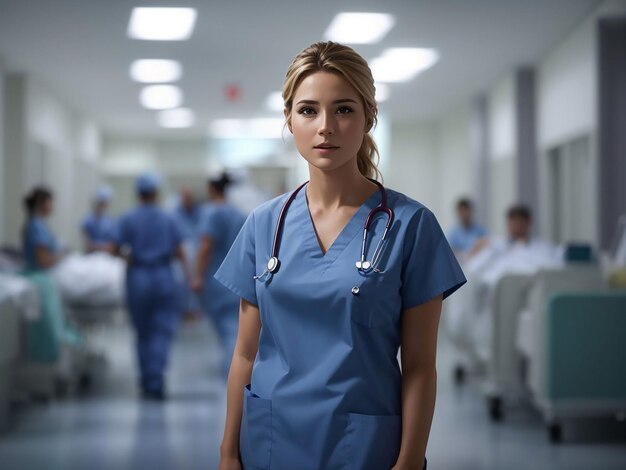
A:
(406, 207)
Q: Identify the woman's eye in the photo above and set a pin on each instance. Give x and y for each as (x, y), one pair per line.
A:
(344, 110)
(306, 111)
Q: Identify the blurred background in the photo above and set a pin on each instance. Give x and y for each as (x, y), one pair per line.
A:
(505, 118)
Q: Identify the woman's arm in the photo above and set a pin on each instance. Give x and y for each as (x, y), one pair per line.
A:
(45, 258)
(419, 381)
(205, 252)
(238, 377)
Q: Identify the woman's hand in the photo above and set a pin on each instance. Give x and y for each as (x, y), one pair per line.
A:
(230, 463)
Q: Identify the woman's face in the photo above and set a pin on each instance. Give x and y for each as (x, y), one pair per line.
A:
(327, 121)
(47, 207)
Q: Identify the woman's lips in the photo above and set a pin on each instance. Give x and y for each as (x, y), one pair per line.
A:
(325, 149)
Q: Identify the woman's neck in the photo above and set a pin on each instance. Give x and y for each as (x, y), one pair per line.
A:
(344, 186)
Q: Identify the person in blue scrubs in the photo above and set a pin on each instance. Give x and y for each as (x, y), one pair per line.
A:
(466, 237)
(315, 380)
(98, 227)
(46, 335)
(187, 214)
(220, 225)
(150, 239)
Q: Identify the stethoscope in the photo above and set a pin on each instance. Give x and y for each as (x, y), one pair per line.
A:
(363, 266)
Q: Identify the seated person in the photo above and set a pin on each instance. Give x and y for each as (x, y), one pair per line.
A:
(465, 236)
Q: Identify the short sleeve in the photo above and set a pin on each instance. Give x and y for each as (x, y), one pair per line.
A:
(209, 226)
(41, 236)
(429, 266)
(239, 267)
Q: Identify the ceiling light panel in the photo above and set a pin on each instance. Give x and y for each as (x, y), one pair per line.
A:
(359, 28)
(161, 24)
(401, 64)
(161, 97)
(155, 71)
(176, 118)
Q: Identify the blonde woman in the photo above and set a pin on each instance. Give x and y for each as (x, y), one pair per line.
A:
(333, 278)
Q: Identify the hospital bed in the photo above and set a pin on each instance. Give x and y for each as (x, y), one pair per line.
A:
(509, 347)
(572, 338)
(502, 362)
(583, 372)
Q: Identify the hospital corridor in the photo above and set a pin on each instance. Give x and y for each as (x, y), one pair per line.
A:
(318, 235)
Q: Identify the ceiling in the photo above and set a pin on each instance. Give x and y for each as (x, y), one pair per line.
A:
(80, 50)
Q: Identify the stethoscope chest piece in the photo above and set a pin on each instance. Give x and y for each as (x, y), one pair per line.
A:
(273, 264)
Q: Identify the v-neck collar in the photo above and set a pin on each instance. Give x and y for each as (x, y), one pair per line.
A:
(354, 226)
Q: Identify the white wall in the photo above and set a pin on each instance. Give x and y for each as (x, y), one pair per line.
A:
(430, 162)
(411, 165)
(52, 144)
(454, 163)
(502, 151)
(186, 163)
(567, 106)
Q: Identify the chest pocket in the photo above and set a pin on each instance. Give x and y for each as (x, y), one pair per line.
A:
(374, 300)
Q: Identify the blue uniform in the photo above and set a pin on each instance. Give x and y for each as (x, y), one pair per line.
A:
(188, 223)
(100, 229)
(153, 294)
(37, 234)
(222, 223)
(462, 239)
(326, 386)
(44, 336)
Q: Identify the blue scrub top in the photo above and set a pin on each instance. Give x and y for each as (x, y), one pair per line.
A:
(222, 223)
(151, 234)
(100, 228)
(326, 385)
(37, 234)
(462, 239)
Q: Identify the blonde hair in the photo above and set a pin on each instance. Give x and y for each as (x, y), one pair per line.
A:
(344, 61)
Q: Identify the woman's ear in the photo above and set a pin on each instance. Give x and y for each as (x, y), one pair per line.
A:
(287, 119)
(368, 126)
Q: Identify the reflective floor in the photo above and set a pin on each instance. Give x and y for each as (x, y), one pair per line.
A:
(111, 429)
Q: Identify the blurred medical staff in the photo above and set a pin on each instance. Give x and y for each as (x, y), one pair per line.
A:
(187, 216)
(46, 335)
(152, 240)
(98, 227)
(466, 237)
(220, 225)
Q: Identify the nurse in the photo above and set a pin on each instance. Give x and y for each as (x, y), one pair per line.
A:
(46, 335)
(219, 228)
(98, 227)
(151, 240)
(187, 216)
(315, 381)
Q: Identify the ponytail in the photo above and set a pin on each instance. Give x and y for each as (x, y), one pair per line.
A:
(367, 158)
